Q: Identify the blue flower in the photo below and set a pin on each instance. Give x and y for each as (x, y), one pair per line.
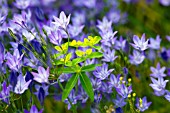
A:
(42, 75)
(42, 92)
(62, 21)
(75, 30)
(2, 53)
(142, 104)
(167, 96)
(72, 97)
(21, 85)
(102, 72)
(140, 44)
(82, 95)
(124, 91)
(114, 81)
(5, 93)
(106, 87)
(158, 71)
(119, 101)
(55, 37)
(155, 43)
(159, 85)
(105, 25)
(109, 55)
(120, 44)
(22, 4)
(14, 61)
(137, 57)
(33, 110)
(96, 83)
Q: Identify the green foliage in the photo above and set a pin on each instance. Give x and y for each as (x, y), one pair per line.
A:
(69, 86)
(87, 86)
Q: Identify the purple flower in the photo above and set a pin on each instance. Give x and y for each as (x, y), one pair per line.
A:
(21, 85)
(5, 93)
(142, 104)
(55, 37)
(124, 91)
(72, 97)
(20, 19)
(165, 2)
(119, 101)
(155, 44)
(82, 95)
(14, 61)
(114, 81)
(106, 87)
(137, 57)
(109, 56)
(158, 85)
(102, 72)
(167, 96)
(29, 36)
(32, 61)
(22, 4)
(64, 77)
(3, 14)
(158, 71)
(78, 18)
(75, 30)
(42, 92)
(168, 38)
(104, 25)
(89, 3)
(96, 83)
(120, 44)
(2, 53)
(108, 38)
(62, 21)
(33, 110)
(42, 75)
(140, 44)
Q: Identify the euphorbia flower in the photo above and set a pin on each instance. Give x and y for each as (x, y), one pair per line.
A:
(42, 75)
(140, 44)
(62, 21)
(33, 110)
(21, 85)
(102, 72)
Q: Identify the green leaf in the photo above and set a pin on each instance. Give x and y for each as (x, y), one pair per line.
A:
(78, 60)
(12, 34)
(90, 67)
(66, 70)
(95, 55)
(58, 62)
(97, 47)
(87, 86)
(69, 86)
